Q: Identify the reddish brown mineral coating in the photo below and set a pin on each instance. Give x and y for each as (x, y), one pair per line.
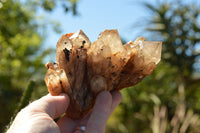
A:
(84, 69)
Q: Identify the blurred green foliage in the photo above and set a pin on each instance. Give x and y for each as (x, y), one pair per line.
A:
(166, 101)
(169, 99)
(21, 54)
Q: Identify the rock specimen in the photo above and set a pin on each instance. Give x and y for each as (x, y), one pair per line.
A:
(84, 69)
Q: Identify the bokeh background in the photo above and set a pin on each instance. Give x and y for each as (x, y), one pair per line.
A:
(168, 101)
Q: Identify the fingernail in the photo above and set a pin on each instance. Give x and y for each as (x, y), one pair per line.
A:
(62, 94)
(117, 93)
(104, 95)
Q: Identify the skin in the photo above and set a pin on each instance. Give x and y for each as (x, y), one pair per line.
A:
(38, 117)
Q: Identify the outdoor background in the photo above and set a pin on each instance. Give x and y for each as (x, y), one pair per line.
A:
(168, 101)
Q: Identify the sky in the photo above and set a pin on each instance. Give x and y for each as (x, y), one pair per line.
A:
(94, 16)
(97, 15)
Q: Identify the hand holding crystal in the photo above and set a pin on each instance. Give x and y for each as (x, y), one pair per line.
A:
(39, 116)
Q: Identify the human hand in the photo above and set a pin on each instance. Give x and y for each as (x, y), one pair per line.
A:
(39, 116)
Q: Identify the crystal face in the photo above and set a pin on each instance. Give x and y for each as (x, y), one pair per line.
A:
(84, 69)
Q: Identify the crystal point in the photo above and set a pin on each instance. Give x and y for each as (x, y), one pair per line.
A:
(84, 69)
(152, 50)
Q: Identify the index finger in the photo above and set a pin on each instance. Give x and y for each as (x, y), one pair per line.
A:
(101, 111)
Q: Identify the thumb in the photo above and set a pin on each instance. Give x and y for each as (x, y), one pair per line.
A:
(54, 106)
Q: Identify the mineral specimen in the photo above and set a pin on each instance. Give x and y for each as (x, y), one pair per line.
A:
(84, 69)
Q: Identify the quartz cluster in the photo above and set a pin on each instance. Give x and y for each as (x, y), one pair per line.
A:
(84, 69)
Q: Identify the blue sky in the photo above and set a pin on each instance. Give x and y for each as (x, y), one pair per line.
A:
(98, 15)
(128, 16)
